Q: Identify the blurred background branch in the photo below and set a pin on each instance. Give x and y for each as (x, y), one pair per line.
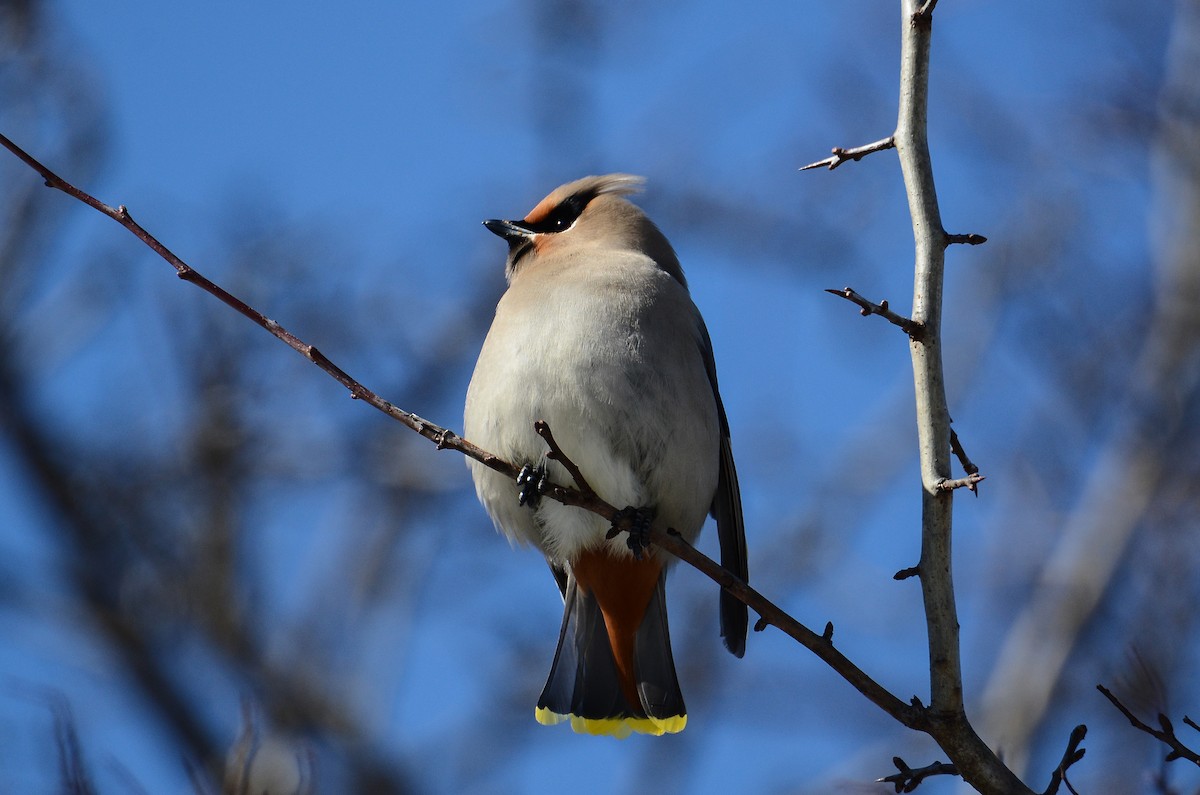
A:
(1133, 471)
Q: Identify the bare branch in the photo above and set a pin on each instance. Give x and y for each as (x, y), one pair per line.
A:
(913, 717)
(914, 330)
(73, 770)
(970, 482)
(1130, 468)
(542, 428)
(1164, 734)
(857, 153)
(975, 761)
(967, 464)
(909, 778)
(1072, 755)
(933, 417)
(444, 438)
(956, 447)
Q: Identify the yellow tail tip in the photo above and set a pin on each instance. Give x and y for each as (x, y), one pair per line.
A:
(613, 727)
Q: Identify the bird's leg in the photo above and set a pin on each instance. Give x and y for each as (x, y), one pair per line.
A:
(532, 483)
(636, 522)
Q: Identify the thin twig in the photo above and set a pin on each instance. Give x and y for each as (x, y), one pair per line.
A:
(970, 482)
(913, 329)
(909, 778)
(542, 429)
(76, 778)
(961, 454)
(856, 153)
(1165, 734)
(1072, 755)
(971, 239)
(967, 464)
(914, 717)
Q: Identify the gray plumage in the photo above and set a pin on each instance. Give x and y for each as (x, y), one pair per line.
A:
(598, 336)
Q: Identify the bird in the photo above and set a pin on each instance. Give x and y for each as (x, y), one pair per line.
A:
(597, 336)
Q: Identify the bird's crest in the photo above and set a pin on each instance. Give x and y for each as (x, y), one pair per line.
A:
(585, 189)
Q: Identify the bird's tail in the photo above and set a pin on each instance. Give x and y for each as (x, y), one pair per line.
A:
(613, 672)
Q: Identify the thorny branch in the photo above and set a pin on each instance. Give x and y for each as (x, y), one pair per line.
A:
(1164, 734)
(970, 483)
(956, 447)
(912, 715)
(856, 153)
(974, 760)
(441, 436)
(908, 778)
(913, 329)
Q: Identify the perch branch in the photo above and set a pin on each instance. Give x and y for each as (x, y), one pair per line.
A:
(911, 715)
(444, 438)
(769, 614)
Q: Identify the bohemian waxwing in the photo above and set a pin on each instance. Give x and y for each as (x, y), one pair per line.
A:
(598, 336)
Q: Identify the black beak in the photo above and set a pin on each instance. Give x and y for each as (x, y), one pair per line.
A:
(509, 230)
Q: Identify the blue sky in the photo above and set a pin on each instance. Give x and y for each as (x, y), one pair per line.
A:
(402, 126)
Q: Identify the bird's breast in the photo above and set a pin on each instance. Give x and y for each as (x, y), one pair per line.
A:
(613, 365)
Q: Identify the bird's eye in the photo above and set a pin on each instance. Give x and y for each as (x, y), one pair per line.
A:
(565, 214)
(562, 216)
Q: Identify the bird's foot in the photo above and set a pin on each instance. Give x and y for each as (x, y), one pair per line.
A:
(532, 483)
(635, 522)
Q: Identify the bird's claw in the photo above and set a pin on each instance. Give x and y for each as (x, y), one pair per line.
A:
(532, 483)
(636, 522)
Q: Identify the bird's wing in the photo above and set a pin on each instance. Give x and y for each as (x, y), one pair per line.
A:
(727, 510)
